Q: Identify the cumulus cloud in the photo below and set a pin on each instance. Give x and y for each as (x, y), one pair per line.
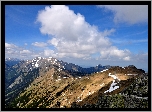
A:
(57, 20)
(72, 36)
(48, 52)
(7, 45)
(114, 53)
(25, 52)
(11, 49)
(108, 32)
(126, 58)
(131, 14)
(54, 41)
(39, 44)
(14, 51)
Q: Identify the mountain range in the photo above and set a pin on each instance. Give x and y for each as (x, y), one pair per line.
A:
(51, 83)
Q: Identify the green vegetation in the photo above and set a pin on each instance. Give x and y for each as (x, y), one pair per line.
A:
(134, 96)
(115, 101)
(47, 91)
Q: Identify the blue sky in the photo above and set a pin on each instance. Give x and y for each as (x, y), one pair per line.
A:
(83, 34)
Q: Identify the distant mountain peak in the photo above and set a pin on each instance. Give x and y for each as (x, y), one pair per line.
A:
(12, 59)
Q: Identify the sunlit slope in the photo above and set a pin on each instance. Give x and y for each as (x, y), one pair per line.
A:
(59, 89)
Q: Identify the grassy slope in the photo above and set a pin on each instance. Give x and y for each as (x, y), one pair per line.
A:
(46, 92)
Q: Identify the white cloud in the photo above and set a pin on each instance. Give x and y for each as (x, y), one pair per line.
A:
(54, 41)
(128, 41)
(127, 58)
(72, 36)
(25, 52)
(114, 53)
(108, 32)
(11, 49)
(62, 22)
(7, 45)
(48, 52)
(39, 44)
(14, 51)
(128, 13)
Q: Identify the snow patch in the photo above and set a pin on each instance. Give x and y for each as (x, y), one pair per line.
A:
(102, 84)
(39, 58)
(18, 104)
(78, 100)
(104, 70)
(112, 87)
(115, 77)
(48, 59)
(87, 77)
(36, 65)
(132, 74)
(89, 93)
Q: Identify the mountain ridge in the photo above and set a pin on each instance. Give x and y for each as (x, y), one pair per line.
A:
(52, 81)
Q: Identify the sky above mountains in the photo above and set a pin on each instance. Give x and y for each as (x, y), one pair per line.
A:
(86, 35)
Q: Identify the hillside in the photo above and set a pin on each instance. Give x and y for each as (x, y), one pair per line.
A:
(59, 87)
(134, 95)
(10, 75)
(26, 71)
